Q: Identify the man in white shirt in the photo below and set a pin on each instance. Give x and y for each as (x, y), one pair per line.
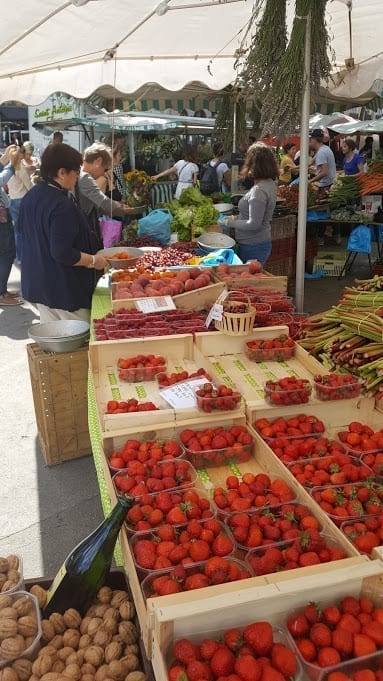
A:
(325, 174)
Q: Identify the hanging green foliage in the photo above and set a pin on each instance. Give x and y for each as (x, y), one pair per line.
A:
(224, 122)
(258, 62)
(282, 104)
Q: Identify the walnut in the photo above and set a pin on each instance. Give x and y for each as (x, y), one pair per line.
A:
(128, 632)
(8, 585)
(71, 659)
(57, 641)
(24, 606)
(100, 609)
(113, 651)
(102, 673)
(40, 594)
(105, 594)
(111, 625)
(116, 670)
(64, 653)
(87, 668)
(130, 663)
(13, 576)
(8, 614)
(94, 655)
(48, 630)
(111, 613)
(29, 640)
(72, 671)
(58, 622)
(23, 668)
(42, 665)
(13, 562)
(4, 567)
(71, 637)
(81, 656)
(8, 628)
(8, 674)
(48, 650)
(94, 625)
(12, 647)
(5, 601)
(127, 610)
(27, 625)
(136, 676)
(58, 666)
(3, 579)
(102, 637)
(131, 648)
(118, 597)
(84, 625)
(84, 641)
(91, 611)
(52, 676)
(72, 618)
(87, 677)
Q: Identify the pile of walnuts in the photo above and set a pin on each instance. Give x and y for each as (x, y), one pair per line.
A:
(102, 646)
(18, 631)
(10, 574)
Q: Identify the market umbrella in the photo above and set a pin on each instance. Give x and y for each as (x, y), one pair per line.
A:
(363, 127)
(128, 123)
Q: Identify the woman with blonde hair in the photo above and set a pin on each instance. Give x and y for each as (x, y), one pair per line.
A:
(252, 227)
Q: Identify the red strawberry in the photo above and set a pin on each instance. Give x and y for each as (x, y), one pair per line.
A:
(222, 662)
(233, 639)
(207, 648)
(320, 635)
(307, 649)
(298, 625)
(375, 631)
(342, 640)
(177, 673)
(328, 657)
(259, 636)
(363, 645)
(198, 671)
(222, 545)
(312, 613)
(248, 669)
(184, 651)
(283, 659)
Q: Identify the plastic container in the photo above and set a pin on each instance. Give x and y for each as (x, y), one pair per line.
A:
(372, 662)
(141, 374)
(347, 529)
(374, 461)
(19, 585)
(262, 312)
(326, 463)
(154, 442)
(253, 557)
(286, 397)
(279, 319)
(327, 392)
(208, 404)
(279, 636)
(269, 354)
(153, 536)
(255, 513)
(279, 303)
(177, 498)
(31, 652)
(192, 569)
(191, 476)
(375, 491)
(237, 453)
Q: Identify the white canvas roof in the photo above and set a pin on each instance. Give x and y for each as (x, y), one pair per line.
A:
(61, 45)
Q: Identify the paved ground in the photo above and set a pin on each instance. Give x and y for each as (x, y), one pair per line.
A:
(45, 511)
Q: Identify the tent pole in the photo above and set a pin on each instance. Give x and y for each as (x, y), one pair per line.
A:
(303, 173)
(234, 125)
(132, 153)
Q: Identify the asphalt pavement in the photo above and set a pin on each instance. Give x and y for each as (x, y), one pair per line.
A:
(45, 511)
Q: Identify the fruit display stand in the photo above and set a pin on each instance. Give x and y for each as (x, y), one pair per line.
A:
(59, 388)
(198, 299)
(236, 278)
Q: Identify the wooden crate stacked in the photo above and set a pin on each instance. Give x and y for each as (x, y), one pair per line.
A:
(59, 388)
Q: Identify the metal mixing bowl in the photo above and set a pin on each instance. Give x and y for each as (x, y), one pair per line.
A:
(213, 241)
(63, 335)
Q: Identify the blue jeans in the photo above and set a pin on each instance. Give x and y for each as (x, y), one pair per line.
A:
(258, 252)
(7, 254)
(14, 208)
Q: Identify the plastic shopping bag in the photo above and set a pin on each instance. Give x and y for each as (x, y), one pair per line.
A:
(110, 231)
(359, 240)
(156, 225)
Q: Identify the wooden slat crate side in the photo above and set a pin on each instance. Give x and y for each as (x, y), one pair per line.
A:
(267, 281)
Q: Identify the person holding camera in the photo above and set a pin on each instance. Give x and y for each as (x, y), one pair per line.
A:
(18, 185)
(9, 162)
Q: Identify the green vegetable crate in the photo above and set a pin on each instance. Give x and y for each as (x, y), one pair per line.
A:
(331, 263)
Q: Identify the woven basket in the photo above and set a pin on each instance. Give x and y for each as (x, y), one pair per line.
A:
(237, 323)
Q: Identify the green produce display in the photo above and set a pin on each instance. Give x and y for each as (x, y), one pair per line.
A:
(344, 190)
(192, 208)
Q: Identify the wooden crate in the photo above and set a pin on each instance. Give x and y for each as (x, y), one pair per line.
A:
(59, 388)
(227, 356)
(181, 354)
(201, 299)
(267, 281)
(202, 619)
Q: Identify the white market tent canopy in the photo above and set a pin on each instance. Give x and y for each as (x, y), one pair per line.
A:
(363, 127)
(76, 46)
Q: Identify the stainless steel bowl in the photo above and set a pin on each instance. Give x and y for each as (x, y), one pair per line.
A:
(64, 335)
(224, 207)
(213, 241)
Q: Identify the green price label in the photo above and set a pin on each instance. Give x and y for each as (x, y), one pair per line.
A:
(141, 392)
(116, 394)
(251, 380)
(239, 365)
(112, 379)
(218, 368)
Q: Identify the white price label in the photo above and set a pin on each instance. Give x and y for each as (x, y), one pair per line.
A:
(160, 304)
(215, 313)
(182, 395)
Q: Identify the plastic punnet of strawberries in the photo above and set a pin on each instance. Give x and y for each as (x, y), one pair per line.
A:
(221, 398)
(326, 636)
(288, 390)
(252, 653)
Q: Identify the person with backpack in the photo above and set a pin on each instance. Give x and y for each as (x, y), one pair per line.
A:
(216, 176)
(252, 227)
(186, 170)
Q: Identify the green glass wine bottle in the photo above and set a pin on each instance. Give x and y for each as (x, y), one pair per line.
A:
(85, 569)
